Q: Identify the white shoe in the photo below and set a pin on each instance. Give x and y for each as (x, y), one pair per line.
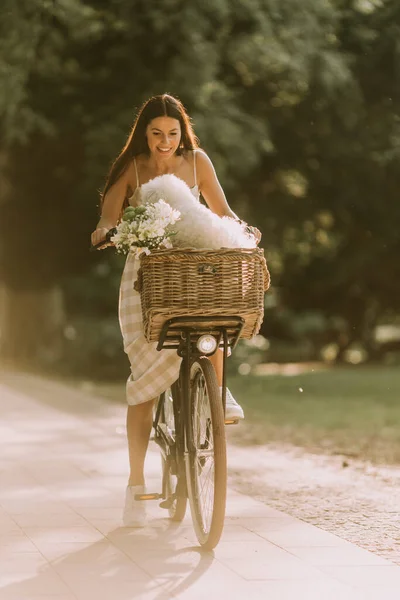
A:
(233, 410)
(135, 510)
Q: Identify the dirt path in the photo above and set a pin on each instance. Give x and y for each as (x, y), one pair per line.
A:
(356, 501)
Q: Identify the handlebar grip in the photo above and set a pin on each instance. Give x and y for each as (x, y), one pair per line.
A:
(109, 235)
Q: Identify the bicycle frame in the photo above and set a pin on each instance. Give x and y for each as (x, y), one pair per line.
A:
(181, 334)
(171, 448)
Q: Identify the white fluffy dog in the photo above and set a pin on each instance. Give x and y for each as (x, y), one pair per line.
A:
(198, 226)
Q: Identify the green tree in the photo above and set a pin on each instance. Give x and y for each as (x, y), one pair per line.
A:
(341, 259)
(296, 104)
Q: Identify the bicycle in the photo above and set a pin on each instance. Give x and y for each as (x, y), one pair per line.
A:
(189, 421)
(189, 425)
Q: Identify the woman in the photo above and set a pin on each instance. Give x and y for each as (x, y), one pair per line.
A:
(162, 141)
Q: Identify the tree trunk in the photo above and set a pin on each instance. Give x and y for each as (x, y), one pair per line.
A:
(31, 325)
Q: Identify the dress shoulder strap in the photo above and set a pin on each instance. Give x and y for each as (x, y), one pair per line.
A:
(194, 167)
(137, 174)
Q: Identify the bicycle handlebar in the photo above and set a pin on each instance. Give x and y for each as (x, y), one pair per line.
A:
(106, 240)
(112, 231)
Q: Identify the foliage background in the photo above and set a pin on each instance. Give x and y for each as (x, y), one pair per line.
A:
(296, 104)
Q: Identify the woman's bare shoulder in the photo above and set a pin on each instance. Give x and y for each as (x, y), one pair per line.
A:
(200, 154)
(131, 170)
(204, 164)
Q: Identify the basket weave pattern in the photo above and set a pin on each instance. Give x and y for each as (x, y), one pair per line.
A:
(191, 282)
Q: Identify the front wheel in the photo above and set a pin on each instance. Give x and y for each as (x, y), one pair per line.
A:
(206, 462)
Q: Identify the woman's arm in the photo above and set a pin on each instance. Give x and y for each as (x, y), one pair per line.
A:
(213, 193)
(115, 197)
(112, 204)
(210, 187)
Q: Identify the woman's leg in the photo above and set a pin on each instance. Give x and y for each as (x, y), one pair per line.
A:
(217, 361)
(138, 426)
(233, 409)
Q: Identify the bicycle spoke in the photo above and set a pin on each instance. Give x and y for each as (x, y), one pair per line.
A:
(204, 453)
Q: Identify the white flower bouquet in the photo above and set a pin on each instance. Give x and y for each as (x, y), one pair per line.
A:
(145, 228)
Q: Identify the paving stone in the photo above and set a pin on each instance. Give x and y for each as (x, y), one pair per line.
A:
(62, 486)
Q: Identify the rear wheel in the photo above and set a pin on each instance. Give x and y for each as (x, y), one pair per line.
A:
(172, 463)
(206, 464)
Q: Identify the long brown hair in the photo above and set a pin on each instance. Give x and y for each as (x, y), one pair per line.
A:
(158, 106)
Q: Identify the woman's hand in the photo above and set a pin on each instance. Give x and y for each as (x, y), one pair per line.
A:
(98, 235)
(256, 233)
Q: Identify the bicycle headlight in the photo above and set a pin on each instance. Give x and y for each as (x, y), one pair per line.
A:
(207, 344)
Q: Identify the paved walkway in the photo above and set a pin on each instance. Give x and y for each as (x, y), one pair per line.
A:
(63, 468)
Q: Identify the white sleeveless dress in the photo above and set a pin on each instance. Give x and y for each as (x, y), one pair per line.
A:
(152, 371)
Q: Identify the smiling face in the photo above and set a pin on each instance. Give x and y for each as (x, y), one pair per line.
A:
(163, 136)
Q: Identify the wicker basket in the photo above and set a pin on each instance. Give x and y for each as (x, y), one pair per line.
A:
(192, 282)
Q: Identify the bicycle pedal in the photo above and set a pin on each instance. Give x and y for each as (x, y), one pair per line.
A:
(147, 496)
(168, 502)
(231, 421)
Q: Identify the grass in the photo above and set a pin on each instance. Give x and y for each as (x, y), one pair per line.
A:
(353, 411)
